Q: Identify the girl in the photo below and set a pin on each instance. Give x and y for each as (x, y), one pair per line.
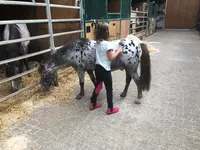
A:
(104, 56)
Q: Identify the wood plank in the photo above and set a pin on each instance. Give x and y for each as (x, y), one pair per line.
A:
(125, 25)
(181, 14)
(172, 14)
(90, 31)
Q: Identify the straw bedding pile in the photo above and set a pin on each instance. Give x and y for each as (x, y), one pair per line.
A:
(19, 107)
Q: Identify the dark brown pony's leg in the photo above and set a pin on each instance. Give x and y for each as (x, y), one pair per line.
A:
(81, 83)
(92, 77)
(136, 79)
(128, 81)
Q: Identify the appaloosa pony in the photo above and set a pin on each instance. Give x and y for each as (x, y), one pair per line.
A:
(12, 32)
(80, 54)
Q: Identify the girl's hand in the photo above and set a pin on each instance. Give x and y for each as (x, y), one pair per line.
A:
(120, 50)
(112, 56)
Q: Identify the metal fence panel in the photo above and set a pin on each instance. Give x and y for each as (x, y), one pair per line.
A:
(139, 23)
(50, 35)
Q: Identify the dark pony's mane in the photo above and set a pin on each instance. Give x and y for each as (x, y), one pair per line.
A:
(61, 53)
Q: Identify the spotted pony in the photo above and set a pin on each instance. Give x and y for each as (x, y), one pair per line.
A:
(80, 54)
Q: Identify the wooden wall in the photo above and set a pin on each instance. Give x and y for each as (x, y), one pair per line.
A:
(114, 6)
(114, 29)
(182, 13)
(39, 29)
(125, 27)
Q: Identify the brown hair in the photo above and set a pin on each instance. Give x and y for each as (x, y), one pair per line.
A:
(102, 31)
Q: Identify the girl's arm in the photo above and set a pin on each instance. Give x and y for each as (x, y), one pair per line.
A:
(112, 56)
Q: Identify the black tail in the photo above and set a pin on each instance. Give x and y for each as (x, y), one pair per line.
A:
(145, 72)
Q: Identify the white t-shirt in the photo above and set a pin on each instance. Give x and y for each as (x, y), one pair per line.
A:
(101, 54)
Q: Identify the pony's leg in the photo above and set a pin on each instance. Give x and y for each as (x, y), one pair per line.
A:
(81, 75)
(136, 78)
(27, 65)
(128, 81)
(92, 77)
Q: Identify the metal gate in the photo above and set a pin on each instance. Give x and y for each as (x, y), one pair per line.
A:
(50, 35)
(139, 21)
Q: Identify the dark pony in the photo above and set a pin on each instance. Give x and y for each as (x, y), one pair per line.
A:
(12, 32)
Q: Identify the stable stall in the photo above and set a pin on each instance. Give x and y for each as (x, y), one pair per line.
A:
(115, 12)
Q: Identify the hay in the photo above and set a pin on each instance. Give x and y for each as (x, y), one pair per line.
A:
(150, 48)
(17, 143)
(17, 108)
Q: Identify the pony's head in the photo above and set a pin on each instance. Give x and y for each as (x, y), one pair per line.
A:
(12, 70)
(48, 76)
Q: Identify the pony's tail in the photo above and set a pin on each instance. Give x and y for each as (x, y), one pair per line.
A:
(145, 68)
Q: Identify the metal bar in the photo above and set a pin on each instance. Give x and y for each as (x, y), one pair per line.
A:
(139, 17)
(50, 26)
(24, 56)
(63, 6)
(18, 75)
(143, 8)
(84, 16)
(81, 12)
(36, 53)
(147, 25)
(27, 56)
(38, 21)
(144, 12)
(66, 33)
(24, 39)
(34, 38)
(120, 30)
(5, 2)
(113, 13)
(18, 92)
(137, 27)
(140, 22)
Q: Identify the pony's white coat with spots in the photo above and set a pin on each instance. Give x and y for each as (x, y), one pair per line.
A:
(80, 54)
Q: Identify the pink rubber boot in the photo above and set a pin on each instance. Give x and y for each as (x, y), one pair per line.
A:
(115, 110)
(94, 107)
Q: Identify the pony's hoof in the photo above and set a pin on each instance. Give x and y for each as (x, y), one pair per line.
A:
(29, 75)
(79, 96)
(137, 102)
(123, 95)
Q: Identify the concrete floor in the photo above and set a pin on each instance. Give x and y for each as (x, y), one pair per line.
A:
(168, 118)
